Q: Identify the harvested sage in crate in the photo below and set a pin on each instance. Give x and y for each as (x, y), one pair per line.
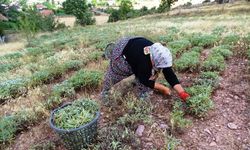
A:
(79, 113)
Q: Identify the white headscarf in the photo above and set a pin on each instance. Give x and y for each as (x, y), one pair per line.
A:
(161, 56)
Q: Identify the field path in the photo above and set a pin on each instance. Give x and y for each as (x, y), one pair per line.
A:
(227, 126)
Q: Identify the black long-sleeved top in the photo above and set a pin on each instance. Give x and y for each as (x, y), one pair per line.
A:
(141, 64)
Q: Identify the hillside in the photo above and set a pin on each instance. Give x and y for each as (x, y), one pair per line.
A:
(210, 47)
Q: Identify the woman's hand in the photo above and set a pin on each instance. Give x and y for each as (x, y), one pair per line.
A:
(182, 94)
(163, 89)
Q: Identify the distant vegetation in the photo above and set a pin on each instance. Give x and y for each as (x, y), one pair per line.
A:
(126, 10)
(80, 10)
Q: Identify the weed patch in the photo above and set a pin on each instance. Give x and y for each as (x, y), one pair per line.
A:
(138, 111)
(208, 79)
(171, 142)
(12, 88)
(203, 40)
(179, 46)
(117, 137)
(231, 39)
(221, 50)
(219, 30)
(177, 119)
(214, 63)
(81, 79)
(196, 49)
(8, 128)
(188, 62)
(199, 102)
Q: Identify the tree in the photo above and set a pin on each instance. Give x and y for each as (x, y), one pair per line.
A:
(94, 3)
(165, 5)
(125, 11)
(80, 10)
(125, 7)
(29, 23)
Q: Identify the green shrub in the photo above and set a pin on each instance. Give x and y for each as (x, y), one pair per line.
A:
(220, 50)
(49, 5)
(31, 21)
(48, 23)
(172, 30)
(6, 25)
(40, 77)
(14, 55)
(37, 51)
(188, 61)
(218, 30)
(12, 88)
(203, 40)
(86, 79)
(199, 102)
(79, 113)
(177, 119)
(214, 63)
(144, 11)
(63, 89)
(9, 66)
(114, 16)
(165, 6)
(196, 49)
(171, 142)
(117, 137)
(80, 10)
(138, 111)
(231, 39)
(247, 40)
(17, 121)
(210, 75)
(81, 79)
(125, 7)
(179, 46)
(166, 38)
(8, 128)
(95, 55)
(125, 11)
(101, 45)
(208, 79)
(54, 71)
(72, 65)
(29, 25)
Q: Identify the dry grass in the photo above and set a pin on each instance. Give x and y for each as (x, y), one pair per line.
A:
(100, 65)
(70, 20)
(32, 102)
(10, 47)
(101, 19)
(67, 20)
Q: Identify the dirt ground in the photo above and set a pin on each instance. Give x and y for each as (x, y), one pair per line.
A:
(227, 126)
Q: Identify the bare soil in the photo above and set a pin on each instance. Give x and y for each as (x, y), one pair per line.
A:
(231, 105)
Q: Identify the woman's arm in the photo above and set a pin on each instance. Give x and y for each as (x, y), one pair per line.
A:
(161, 88)
(178, 88)
(174, 82)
